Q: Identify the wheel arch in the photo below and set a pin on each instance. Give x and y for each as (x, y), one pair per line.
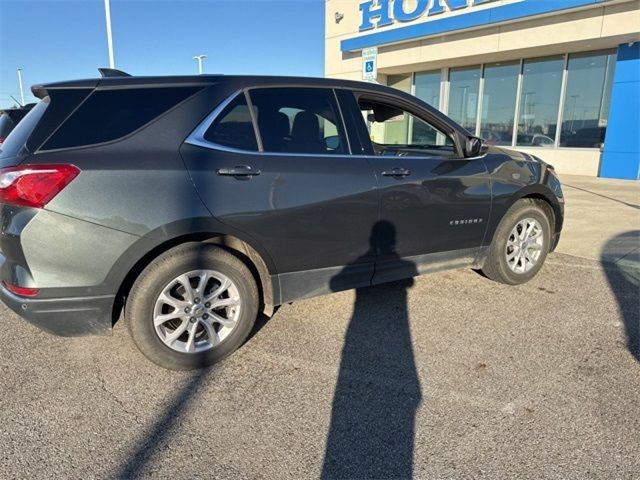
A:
(146, 250)
(549, 203)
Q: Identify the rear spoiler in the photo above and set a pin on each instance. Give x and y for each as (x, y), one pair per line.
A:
(41, 91)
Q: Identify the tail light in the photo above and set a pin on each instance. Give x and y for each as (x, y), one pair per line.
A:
(1, 140)
(34, 185)
(22, 291)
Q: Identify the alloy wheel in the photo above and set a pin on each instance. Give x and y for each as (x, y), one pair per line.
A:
(524, 245)
(196, 311)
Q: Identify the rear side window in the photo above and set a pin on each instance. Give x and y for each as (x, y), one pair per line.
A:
(299, 120)
(233, 127)
(111, 114)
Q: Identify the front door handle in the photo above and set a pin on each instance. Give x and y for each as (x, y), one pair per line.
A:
(396, 172)
(239, 171)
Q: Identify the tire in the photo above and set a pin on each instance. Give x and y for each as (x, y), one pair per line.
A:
(192, 337)
(497, 266)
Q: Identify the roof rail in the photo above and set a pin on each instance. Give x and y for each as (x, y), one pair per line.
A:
(112, 72)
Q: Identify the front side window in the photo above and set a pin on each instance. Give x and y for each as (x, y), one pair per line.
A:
(298, 120)
(586, 100)
(539, 101)
(233, 127)
(394, 131)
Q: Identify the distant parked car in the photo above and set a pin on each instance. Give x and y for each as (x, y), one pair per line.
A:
(10, 117)
(592, 137)
(196, 202)
(534, 139)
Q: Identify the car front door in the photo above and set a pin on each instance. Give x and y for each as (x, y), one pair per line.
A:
(437, 202)
(275, 164)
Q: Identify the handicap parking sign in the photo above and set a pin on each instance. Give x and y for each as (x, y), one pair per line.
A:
(369, 64)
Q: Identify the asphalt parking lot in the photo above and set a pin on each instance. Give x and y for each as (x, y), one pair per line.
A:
(448, 376)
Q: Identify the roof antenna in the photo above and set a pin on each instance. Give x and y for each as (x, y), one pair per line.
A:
(16, 100)
(112, 72)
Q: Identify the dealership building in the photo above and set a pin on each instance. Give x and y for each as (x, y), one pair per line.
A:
(556, 78)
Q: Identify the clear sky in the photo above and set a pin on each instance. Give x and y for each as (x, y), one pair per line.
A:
(55, 40)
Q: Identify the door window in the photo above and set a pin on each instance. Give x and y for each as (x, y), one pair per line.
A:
(394, 131)
(233, 127)
(298, 120)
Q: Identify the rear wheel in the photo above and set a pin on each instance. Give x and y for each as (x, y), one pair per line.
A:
(520, 244)
(192, 306)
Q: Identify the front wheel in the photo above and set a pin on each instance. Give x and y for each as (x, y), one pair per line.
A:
(520, 244)
(192, 306)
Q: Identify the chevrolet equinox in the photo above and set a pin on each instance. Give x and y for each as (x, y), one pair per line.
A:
(191, 204)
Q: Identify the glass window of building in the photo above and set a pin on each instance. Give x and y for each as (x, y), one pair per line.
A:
(428, 88)
(499, 102)
(586, 100)
(539, 101)
(464, 85)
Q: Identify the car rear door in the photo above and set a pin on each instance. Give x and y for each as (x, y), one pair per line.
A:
(437, 202)
(275, 164)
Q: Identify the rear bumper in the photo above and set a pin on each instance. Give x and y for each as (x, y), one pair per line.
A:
(67, 317)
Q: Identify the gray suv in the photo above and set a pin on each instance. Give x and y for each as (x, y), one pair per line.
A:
(195, 203)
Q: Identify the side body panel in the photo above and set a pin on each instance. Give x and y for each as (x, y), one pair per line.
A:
(310, 213)
(438, 209)
(516, 175)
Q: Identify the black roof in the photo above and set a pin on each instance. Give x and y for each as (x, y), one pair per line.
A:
(241, 81)
(183, 80)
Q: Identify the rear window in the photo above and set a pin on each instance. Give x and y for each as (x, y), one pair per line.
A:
(16, 140)
(111, 114)
(6, 125)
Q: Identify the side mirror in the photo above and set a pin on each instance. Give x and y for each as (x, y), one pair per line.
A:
(332, 142)
(473, 147)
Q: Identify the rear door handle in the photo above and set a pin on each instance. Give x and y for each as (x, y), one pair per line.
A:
(238, 171)
(396, 172)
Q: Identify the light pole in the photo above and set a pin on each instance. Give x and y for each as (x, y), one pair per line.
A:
(200, 58)
(107, 14)
(19, 70)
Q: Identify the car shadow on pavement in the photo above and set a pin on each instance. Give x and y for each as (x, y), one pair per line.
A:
(371, 434)
(157, 435)
(624, 281)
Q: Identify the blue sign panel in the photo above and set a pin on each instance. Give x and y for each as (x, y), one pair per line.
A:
(387, 12)
(621, 157)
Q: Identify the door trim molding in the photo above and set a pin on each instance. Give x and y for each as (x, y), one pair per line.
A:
(321, 281)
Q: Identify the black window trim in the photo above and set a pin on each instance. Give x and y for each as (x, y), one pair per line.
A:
(197, 136)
